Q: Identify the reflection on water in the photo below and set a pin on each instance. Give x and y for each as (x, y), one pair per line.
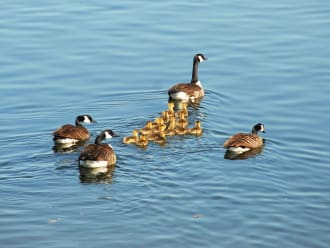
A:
(245, 155)
(178, 105)
(67, 148)
(96, 175)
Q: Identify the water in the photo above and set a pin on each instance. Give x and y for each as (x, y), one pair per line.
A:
(267, 62)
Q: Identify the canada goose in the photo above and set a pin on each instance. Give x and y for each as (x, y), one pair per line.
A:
(184, 109)
(165, 116)
(181, 129)
(197, 130)
(70, 134)
(142, 141)
(170, 131)
(131, 139)
(170, 109)
(158, 124)
(242, 142)
(160, 138)
(189, 91)
(182, 120)
(98, 154)
(147, 129)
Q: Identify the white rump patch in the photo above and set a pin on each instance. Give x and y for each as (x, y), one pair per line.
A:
(92, 163)
(238, 150)
(199, 83)
(66, 141)
(180, 96)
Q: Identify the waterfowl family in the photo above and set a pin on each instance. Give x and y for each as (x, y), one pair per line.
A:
(131, 139)
(189, 91)
(242, 142)
(98, 154)
(68, 133)
(197, 130)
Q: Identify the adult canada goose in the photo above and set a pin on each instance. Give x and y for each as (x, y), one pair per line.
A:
(70, 134)
(189, 91)
(131, 139)
(98, 155)
(197, 130)
(242, 142)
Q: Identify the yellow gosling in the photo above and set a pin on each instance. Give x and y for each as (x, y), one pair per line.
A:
(147, 129)
(142, 141)
(170, 109)
(170, 131)
(197, 130)
(181, 129)
(184, 110)
(165, 116)
(160, 139)
(131, 139)
(158, 125)
(182, 120)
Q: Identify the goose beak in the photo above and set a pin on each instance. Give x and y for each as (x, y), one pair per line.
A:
(115, 135)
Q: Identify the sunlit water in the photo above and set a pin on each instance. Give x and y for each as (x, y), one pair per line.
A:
(267, 62)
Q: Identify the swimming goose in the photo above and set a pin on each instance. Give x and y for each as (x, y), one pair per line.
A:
(98, 154)
(160, 138)
(170, 131)
(189, 91)
(131, 139)
(197, 130)
(147, 129)
(242, 142)
(70, 134)
(181, 129)
(142, 141)
(182, 120)
(170, 109)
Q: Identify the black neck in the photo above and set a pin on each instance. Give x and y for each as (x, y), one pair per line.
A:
(78, 123)
(99, 139)
(194, 76)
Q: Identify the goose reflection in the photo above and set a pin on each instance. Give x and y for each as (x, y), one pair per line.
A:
(96, 175)
(179, 105)
(245, 155)
(67, 148)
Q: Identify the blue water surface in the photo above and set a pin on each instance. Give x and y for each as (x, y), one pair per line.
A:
(267, 62)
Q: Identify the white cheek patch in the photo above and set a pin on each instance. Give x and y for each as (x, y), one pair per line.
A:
(108, 135)
(86, 119)
(200, 58)
(262, 128)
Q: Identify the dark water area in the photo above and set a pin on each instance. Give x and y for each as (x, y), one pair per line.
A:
(267, 62)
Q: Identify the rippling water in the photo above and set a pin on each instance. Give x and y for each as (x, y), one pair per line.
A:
(267, 62)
